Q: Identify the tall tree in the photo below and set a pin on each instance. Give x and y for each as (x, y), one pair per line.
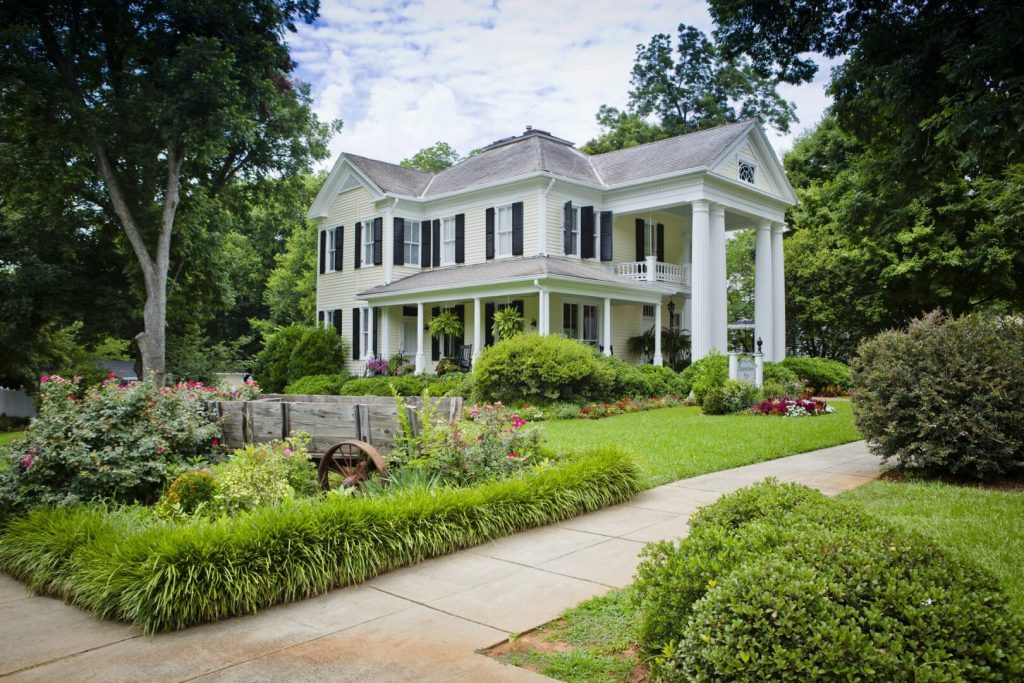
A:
(689, 84)
(433, 159)
(155, 107)
(913, 187)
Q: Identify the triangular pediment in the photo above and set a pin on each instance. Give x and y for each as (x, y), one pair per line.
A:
(343, 177)
(753, 151)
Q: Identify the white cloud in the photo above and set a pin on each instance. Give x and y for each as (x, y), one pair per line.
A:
(403, 74)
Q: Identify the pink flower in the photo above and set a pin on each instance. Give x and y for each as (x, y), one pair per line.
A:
(71, 396)
(44, 379)
(26, 462)
(110, 375)
(514, 456)
(215, 443)
(287, 452)
(160, 449)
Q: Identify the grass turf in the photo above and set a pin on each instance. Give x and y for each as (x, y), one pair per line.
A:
(982, 525)
(674, 443)
(7, 437)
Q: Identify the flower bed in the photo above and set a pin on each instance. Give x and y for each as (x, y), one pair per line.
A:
(590, 411)
(793, 407)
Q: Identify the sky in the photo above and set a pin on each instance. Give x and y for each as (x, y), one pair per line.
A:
(404, 74)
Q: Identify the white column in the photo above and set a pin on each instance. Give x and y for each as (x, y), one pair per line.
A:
(385, 332)
(763, 316)
(657, 334)
(607, 323)
(778, 349)
(420, 358)
(734, 365)
(368, 351)
(544, 328)
(477, 328)
(700, 331)
(758, 369)
(652, 268)
(719, 284)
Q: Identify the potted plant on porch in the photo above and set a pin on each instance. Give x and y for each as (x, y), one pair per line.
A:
(442, 325)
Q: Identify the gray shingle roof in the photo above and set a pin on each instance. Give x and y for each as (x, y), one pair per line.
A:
(693, 150)
(502, 270)
(392, 177)
(537, 151)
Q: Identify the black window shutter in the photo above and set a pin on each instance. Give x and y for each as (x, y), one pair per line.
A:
(437, 241)
(337, 321)
(519, 306)
(399, 230)
(355, 334)
(489, 324)
(359, 245)
(517, 229)
(323, 252)
(320, 317)
(606, 235)
(460, 238)
(425, 249)
(375, 332)
(378, 241)
(409, 311)
(587, 232)
(661, 243)
(489, 235)
(567, 228)
(641, 249)
(339, 247)
(435, 343)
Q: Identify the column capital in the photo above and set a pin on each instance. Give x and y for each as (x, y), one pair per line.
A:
(764, 224)
(700, 205)
(779, 228)
(718, 210)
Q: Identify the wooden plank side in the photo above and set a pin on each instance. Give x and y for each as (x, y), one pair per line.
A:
(383, 425)
(231, 426)
(266, 424)
(326, 423)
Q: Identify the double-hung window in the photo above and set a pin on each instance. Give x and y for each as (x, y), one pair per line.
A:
(503, 229)
(364, 331)
(580, 321)
(328, 318)
(574, 232)
(412, 243)
(329, 256)
(650, 239)
(590, 329)
(368, 242)
(648, 318)
(448, 241)
(571, 320)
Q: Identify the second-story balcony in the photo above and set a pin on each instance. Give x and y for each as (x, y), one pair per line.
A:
(652, 270)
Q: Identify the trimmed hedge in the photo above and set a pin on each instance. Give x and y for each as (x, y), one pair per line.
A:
(945, 395)
(778, 582)
(452, 384)
(820, 374)
(317, 384)
(163, 576)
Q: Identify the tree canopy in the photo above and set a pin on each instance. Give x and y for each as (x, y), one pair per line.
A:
(147, 113)
(433, 159)
(688, 84)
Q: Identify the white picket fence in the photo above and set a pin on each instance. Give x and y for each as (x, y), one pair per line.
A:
(16, 403)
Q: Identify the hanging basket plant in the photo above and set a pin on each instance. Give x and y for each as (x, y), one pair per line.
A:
(508, 322)
(445, 322)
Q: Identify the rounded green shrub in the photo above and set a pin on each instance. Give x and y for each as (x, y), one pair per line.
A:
(381, 385)
(271, 366)
(318, 385)
(946, 395)
(822, 375)
(710, 371)
(731, 397)
(777, 372)
(321, 351)
(777, 582)
(541, 369)
(192, 489)
(772, 389)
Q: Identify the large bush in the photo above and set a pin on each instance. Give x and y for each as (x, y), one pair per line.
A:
(298, 351)
(777, 582)
(947, 394)
(823, 375)
(120, 565)
(542, 369)
(731, 397)
(710, 371)
(111, 442)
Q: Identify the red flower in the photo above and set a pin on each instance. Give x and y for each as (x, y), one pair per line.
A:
(215, 443)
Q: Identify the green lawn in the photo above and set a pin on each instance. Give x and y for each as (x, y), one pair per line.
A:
(673, 443)
(981, 525)
(7, 437)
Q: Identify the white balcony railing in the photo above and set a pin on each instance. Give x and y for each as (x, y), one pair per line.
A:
(653, 270)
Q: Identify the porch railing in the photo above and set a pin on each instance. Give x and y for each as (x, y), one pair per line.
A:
(652, 270)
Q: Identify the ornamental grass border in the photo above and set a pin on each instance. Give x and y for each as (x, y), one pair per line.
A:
(161, 576)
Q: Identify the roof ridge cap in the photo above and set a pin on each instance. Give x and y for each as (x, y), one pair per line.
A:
(350, 155)
(676, 137)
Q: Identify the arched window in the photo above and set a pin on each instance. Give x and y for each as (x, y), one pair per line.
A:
(747, 172)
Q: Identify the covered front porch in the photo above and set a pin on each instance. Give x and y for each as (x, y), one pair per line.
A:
(554, 296)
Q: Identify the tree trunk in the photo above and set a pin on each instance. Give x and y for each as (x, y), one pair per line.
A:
(152, 340)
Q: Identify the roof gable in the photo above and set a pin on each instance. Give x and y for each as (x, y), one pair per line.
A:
(754, 147)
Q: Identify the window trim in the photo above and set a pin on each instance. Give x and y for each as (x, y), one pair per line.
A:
(741, 162)
(408, 244)
(580, 307)
(446, 243)
(367, 245)
(364, 331)
(498, 232)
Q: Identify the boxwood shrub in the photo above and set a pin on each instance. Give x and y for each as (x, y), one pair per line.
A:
(710, 371)
(946, 394)
(540, 369)
(778, 582)
(731, 397)
(822, 375)
(299, 351)
(123, 564)
(451, 384)
(318, 384)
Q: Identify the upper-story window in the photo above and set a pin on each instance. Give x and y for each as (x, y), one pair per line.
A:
(650, 239)
(747, 171)
(367, 227)
(329, 257)
(412, 243)
(503, 228)
(448, 241)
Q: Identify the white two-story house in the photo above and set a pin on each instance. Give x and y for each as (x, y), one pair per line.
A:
(598, 248)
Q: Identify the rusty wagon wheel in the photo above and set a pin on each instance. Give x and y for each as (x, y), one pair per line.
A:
(350, 461)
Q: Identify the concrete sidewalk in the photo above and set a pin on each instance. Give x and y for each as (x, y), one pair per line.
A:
(422, 623)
